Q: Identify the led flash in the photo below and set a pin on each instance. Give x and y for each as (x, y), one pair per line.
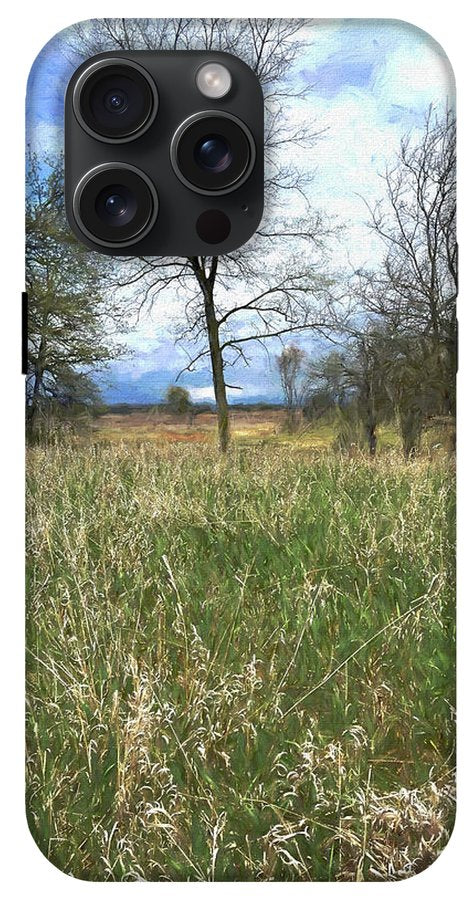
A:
(213, 80)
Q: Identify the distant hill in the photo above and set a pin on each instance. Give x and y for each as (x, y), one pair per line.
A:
(126, 382)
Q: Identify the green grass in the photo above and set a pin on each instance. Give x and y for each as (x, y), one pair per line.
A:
(239, 669)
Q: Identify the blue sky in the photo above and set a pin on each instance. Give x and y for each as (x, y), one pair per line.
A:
(371, 81)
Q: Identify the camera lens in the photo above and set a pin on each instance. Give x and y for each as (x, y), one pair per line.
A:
(115, 100)
(115, 205)
(213, 152)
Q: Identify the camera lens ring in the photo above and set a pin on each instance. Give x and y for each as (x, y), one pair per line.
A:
(138, 75)
(113, 171)
(185, 128)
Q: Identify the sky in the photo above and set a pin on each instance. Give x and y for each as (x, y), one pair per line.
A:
(369, 82)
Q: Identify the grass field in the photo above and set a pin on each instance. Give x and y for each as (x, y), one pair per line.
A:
(249, 427)
(242, 668)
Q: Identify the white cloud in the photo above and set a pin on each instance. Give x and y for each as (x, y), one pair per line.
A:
(416, 74)
(45, 137)
(201, 393)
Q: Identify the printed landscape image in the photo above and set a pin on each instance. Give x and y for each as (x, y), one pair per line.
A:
(241, 487)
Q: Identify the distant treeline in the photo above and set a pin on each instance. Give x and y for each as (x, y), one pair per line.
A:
(126, 409)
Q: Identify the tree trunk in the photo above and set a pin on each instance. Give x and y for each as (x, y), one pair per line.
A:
(207, 284)
(33, 407)
(371, 438)
(410, 427)
(218, 376)
(370, 418)
(292, 419)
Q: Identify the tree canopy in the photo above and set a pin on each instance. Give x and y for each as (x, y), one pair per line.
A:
(69, 313)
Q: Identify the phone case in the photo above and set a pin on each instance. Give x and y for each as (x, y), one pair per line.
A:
(240, 485)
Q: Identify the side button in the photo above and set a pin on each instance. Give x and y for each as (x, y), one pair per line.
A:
(457, 346)
(24, 332)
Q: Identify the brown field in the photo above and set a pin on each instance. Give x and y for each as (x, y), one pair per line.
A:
(160, 426)
(248, 427)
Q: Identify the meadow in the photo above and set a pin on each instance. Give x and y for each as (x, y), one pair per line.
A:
(250, 426)
(240, 668)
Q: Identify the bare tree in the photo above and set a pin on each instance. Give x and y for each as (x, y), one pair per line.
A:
(412, 378)
(355, 376)
(291, 364)
(414, 292)
(276, 284)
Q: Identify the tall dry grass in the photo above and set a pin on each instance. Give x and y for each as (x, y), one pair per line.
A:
(239, 669)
